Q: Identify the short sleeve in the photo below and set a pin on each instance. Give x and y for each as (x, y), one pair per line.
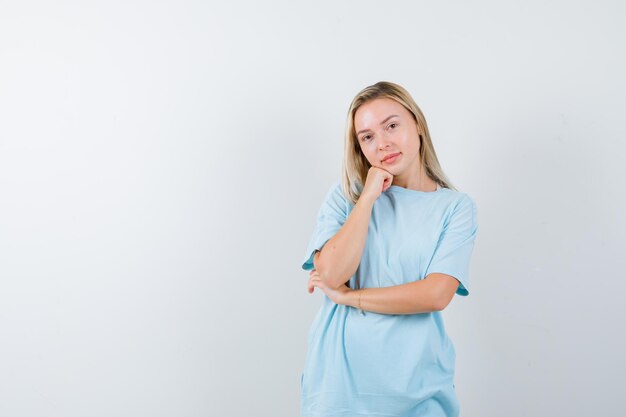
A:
(330, 217)
(456, 243)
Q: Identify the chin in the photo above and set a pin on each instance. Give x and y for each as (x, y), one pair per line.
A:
(393, 170)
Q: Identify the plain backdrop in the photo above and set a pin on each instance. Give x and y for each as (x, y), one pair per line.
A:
(162, 164)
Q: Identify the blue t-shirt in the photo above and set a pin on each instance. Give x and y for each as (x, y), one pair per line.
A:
(388, 365)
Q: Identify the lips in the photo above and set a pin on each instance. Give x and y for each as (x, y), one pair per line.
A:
(391, 157)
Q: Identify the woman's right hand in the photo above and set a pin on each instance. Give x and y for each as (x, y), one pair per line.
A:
(378, 181)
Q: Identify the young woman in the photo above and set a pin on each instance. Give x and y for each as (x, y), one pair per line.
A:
(391, 247)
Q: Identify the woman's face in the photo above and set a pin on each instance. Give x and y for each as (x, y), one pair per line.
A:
(384, 127)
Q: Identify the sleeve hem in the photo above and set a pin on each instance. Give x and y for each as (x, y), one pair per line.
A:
(461, 289)
(308, 263)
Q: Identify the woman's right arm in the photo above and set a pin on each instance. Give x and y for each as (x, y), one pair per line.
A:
(339, 258)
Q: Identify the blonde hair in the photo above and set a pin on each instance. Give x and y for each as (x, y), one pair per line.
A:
(355, 166)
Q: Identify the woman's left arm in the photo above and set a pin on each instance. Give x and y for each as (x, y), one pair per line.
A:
(432, 293)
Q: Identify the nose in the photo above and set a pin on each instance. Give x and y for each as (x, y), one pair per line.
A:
(384, 142)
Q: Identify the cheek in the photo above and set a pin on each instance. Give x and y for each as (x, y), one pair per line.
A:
(366, 152)
(371, 158)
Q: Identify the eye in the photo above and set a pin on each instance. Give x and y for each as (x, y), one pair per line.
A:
(393, 124)
(364, 138)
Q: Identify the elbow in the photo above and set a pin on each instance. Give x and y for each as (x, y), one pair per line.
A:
(327, 278)
(441, 301)
(441, 290)
(325, 274)
(439, 305)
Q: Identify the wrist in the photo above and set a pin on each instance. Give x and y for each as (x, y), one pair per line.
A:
(355, 298)
(366, 200)
(352, 298)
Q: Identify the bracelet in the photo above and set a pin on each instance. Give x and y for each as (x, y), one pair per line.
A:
(361, 292)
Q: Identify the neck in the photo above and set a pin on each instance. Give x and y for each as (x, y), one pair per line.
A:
(415, 181)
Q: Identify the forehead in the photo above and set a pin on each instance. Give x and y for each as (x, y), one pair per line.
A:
(373, 112)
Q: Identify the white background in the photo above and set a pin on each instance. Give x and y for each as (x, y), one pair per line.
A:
(162, 163)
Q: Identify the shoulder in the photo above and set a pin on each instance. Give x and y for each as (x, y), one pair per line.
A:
(457, 198)
(458, 204)
(461, 209)
(335, 187)
(335, 194)
(335, 200)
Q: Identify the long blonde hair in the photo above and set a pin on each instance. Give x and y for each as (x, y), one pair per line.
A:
(355, 166)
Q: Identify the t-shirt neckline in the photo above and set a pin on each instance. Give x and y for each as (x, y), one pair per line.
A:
(398, 189)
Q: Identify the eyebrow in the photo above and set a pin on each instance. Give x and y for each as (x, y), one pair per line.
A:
(382, 123)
